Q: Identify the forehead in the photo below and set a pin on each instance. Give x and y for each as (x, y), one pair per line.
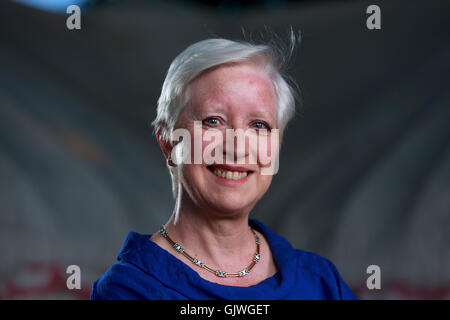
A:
(226, 85)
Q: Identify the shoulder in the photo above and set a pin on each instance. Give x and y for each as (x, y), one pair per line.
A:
(131, 277)
(323, 274)
(126, 281)
(317, 276)
(314, 263)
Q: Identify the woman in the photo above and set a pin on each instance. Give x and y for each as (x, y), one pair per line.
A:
(209, 248)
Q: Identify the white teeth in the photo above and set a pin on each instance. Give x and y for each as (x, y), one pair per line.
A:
(231, 175)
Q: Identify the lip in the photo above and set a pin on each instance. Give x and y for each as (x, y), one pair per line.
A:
(230, 168)
(230, 182)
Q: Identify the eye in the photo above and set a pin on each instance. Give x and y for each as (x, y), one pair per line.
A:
(261, 125)
(211, 121)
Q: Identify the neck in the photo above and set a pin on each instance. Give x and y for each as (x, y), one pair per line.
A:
(212, 236)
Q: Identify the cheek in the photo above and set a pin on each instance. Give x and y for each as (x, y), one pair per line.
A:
(191, 175)
(209, 143)
(261, 186)
(267, 149)
(194, 180)
(266, 180)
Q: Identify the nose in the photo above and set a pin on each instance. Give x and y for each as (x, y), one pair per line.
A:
(236, 148)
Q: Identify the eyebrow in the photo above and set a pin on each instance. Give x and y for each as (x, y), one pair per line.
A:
(221, 108)
(263, 115)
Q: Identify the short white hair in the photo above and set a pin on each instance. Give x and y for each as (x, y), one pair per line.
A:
(210, 53)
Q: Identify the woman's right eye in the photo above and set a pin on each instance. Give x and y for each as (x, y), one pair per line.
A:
(211, 121)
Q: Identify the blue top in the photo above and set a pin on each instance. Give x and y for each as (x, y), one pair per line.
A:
(146, 271)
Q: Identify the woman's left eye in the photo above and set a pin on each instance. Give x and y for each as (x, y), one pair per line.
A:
(260, 125)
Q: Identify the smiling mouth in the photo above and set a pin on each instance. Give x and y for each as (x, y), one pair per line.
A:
(229, 173)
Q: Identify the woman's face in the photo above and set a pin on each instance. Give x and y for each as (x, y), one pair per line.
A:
(233, 96)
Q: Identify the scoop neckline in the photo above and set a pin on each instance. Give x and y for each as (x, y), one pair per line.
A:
(275, 277)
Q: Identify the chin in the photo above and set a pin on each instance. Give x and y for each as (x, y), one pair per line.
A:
(230, 211)
(232, 202)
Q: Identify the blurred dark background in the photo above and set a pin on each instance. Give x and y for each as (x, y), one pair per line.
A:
(364, 170)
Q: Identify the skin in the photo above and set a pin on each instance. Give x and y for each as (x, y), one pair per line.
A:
(212, 220)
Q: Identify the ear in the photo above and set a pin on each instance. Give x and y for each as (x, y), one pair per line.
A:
(165, 145)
